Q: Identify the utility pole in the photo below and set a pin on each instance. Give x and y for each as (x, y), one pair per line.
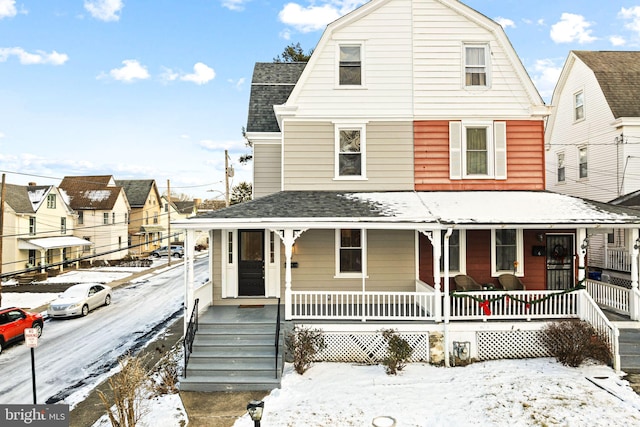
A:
(169, 222)
(2, 199)
(226, 178)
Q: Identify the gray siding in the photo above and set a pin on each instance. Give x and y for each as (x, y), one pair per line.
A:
(266, 170)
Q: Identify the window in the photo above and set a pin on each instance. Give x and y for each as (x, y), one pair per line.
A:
(230, 247)
(155, 217)
(32, 257)
(86, 248)
(113, 217)
(506, 252)
(126, 218)
(582, 162)
(457, 262)
(350, 252)
(63, 225)
(49, 256)
(119, 242)
(560, 160)
(478, 150)
(105, 218)
(350, 151)
(578, 106)
(350, 65)
(51, 201)
(475, 65)
(146, 218)
(32, 225)
(80, 217)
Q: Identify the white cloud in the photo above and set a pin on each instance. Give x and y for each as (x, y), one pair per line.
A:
(633, 14)
(540, 21)
(8, 8)
(2, 135)
(201, 74)
(168, 75)
(104, 10)
(617, 41)
(237, 5)
(132, 70)
(571, 28)
(237, 84)
(26, 58)
(308, 19)
(505, 22)
(545, 74)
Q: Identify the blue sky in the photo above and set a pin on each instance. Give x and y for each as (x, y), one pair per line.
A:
(159, 88)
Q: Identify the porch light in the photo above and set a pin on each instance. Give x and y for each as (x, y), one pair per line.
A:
(585, 243)
(255, 408)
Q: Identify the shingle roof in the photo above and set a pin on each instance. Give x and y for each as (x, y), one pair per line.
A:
(271, 85)
(631, 200)
(137, 190)
(25, 198)
(618, 74)
(90, 192)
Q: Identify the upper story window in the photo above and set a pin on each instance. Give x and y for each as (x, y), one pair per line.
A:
(507, 252)
(32, 225)
(126, 218)
(80, 217)
(63, 225)
(582, 162)
(51, 201)
(105, 218)
(560, 161)
(476, 69)
(350, 151)
(350, 65)
(350, 253)
(578, 106)
(477, 150)
(155, 217)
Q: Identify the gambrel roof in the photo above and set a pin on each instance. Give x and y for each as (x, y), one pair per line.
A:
(618, 75)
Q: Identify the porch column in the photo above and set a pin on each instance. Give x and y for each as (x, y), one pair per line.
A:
(42, 260)
(61, 266)
(189, 254)
(447, 297)
(634, 300)
(288, 240)
(435, 237)
(582, 241)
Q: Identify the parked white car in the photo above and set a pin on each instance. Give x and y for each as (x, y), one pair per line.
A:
(78, 300)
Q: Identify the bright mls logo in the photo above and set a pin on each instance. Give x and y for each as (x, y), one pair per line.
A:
(34, 415)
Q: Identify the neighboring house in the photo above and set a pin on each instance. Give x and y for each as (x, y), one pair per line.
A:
(38, 230)
(145, 226)
(102, 214)
(593, 143)
(174, 211)
(410, 149)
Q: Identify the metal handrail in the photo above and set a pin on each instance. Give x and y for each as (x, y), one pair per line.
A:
(277, 337)
(190, 335)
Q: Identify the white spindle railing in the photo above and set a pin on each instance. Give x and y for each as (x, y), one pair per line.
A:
(590, 312)
(362, 305)
(611, 297)
(618, 259)
(513, 305)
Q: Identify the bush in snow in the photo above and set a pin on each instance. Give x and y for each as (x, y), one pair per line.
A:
(398, 349)
(304, 343)
(571, 342)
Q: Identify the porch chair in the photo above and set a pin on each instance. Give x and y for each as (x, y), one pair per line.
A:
(466, 283)
(511, 282)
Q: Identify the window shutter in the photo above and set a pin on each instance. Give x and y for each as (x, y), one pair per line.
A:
(500, 144)
(455, 150)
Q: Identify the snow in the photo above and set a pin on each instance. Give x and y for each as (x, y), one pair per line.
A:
(97, 195)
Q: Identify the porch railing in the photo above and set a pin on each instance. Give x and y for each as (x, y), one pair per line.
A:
(590, 312)
(611, 297)
(363, 305)
(190, 335)
(494, 305)
(617, 259)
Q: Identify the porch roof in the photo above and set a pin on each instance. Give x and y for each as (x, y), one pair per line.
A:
(410, 209)
(52, 242)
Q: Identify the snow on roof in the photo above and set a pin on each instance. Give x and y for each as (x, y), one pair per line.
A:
(97, 195)
(56, 242)
(36, 196)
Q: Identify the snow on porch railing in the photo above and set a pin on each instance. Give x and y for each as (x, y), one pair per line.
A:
(611, 297)
(362, 306)
(591, 313)
(494, 304)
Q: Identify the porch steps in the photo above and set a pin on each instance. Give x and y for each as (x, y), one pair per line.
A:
(629, 346)
(235, 354)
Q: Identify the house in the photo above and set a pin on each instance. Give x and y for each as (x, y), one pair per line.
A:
(145, 228)
(102, 214)
(174, 210)
(38, 230)
(593, 144)
(409, 150)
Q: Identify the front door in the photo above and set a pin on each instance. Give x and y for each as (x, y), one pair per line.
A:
(251, 263)
(560, 268)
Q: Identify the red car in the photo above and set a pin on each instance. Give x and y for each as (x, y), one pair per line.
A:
(13, 322)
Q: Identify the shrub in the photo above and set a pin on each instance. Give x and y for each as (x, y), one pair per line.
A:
(571, 342)
(304, 343)
(399, 351)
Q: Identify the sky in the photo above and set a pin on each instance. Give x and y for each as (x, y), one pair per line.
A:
(158, 89)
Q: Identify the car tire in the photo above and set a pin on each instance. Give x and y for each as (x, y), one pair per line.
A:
(38, 328)
(107, 300)
(177, 255)
(156, 255)
(1, 344)
(85, 310)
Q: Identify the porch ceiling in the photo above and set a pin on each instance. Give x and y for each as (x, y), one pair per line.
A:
(410, 209)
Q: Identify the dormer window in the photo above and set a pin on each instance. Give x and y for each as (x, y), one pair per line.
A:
(350, 65)
(476, 60)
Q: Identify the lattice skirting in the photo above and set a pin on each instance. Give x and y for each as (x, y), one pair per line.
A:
(369, 347)
(494, 345)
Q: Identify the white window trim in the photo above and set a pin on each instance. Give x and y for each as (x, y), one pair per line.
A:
(462, 255)
(487, 61)
(519, 255)
(363, 151)
(579, 148)
(490, 150)
(575, 106)
(564, 159)
(360, 44)
(363, 242)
